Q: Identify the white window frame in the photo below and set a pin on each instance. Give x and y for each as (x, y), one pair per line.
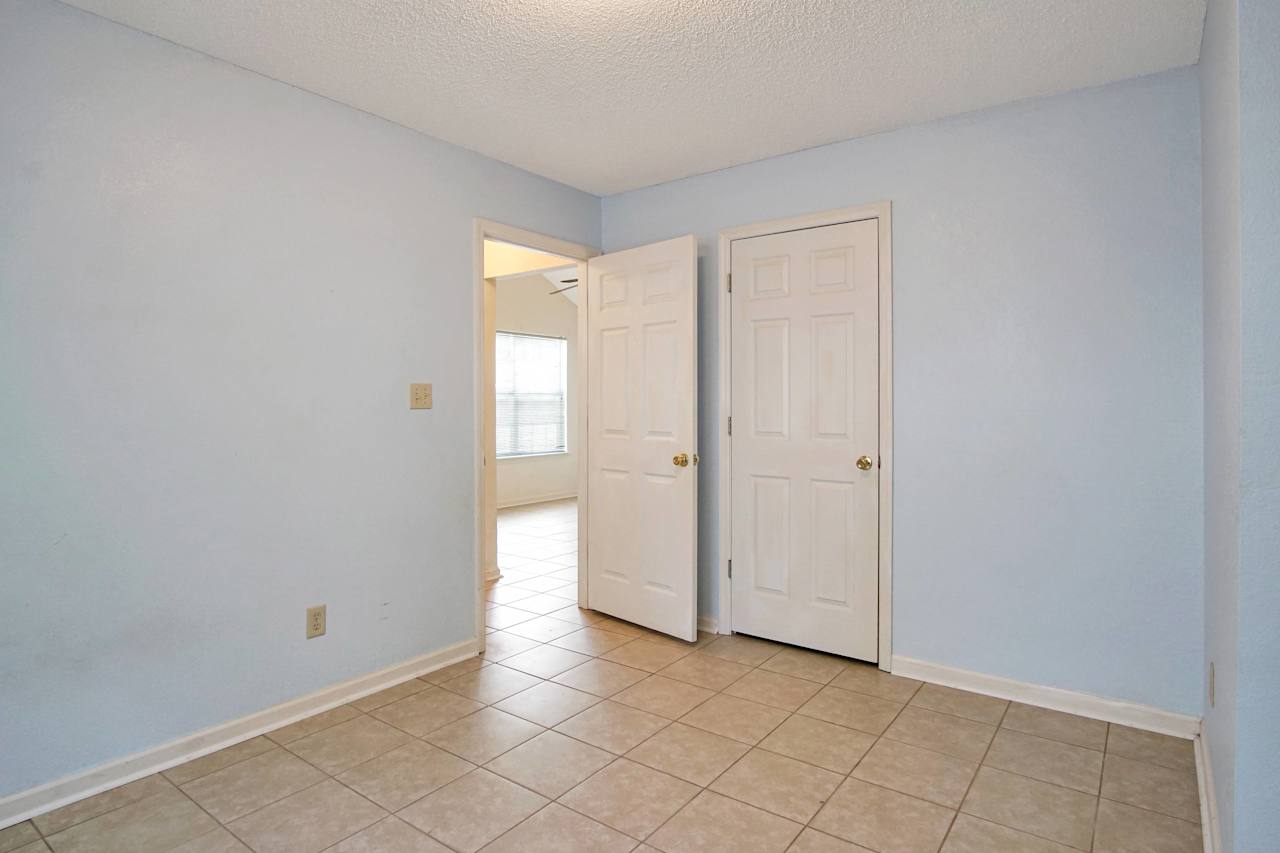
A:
(564, 395)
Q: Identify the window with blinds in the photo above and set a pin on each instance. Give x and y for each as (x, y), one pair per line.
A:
(530, 386)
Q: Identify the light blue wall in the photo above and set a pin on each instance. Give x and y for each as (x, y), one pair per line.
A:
(214, 290)
(1240, 79)
(1047, 372)
(1257, 787)
(1220, 138)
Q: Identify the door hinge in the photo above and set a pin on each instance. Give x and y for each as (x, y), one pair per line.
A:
(730, 569)
(731, 425)
(729, 278)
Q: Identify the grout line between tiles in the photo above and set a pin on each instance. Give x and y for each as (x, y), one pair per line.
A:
(977, 770)
(44, 837)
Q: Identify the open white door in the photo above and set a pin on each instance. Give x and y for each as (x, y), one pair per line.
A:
(642, 407)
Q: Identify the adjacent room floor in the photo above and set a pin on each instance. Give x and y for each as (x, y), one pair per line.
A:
(576, 732)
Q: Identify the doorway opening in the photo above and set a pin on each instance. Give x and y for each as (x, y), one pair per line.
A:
(530, 416)
(586, 392)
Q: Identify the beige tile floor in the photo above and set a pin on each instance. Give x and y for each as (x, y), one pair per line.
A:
(577, 732)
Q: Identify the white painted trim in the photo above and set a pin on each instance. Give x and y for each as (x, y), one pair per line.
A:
(1210, 823)
(18, 807)
(707, 624)
(538, 499)
(514, 275)
(584, 467)
(488, 229)
(882, 212)
(1131, 714)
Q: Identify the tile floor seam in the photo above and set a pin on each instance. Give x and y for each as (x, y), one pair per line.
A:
(44, 837)
(981, 763)
(873, 696)
(256, 809)
(40, 833)
(1096, 797)
(235, 763)
(423, 738)
(597, 820)
(406, 731)
(268, 734)
(1097, 805)
(672, 816)
(386, 814)
(500, 776)
(957, 716)
(1196, 824)
(463, 757)
(836, 838)
(427, 833)
(750, 746)
(200, 807)
(1045, 782)
(740, 758)
(1002, 728)
(864, 755)
(766, 809)
(370, 758)
(849, 775)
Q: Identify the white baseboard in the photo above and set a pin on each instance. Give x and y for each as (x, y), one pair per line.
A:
(1209, 821)
(708, 624)
(16, 808)
(537, 499)
(1084, 704)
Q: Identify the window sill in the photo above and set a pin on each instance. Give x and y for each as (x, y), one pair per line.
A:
(515, 457)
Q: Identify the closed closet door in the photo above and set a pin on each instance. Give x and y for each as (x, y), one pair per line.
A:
(805, 437)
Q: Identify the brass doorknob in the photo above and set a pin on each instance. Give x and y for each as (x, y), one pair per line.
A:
(680, 460)
(864, 463)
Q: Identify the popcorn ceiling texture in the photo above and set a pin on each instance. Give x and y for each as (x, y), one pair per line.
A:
(611, 95)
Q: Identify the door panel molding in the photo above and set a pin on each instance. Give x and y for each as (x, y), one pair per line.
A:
(882, 213)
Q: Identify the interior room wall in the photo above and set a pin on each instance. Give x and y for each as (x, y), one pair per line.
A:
(524, 304)
(1257, 784)
(1240, 76)
(1220, 139)
(215, 290)
(1048, 515)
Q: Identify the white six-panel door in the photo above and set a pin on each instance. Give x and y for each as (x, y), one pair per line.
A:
(805, 408)
(641, 416)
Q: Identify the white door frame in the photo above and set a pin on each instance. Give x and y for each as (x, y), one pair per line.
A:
(486, 229)
(880, 211)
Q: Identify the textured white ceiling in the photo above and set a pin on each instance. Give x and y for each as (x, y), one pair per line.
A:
(610, 95)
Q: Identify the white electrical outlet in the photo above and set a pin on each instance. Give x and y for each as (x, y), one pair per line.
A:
(315, 621)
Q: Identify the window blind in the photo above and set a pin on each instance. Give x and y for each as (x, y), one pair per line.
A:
(530, 387)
